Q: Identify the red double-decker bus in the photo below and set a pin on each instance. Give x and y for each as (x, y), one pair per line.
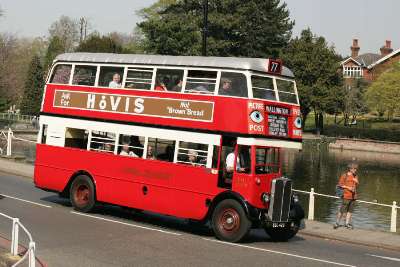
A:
(192, 137)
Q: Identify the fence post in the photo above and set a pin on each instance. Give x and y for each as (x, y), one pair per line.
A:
(9, 140)
(393, 218)
(311, 205)
(14, 238)
(31, 254)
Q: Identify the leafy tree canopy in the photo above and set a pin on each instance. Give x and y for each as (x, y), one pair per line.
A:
(384, 94)
(254, 28)
(33, 92)
(99, 44)
(315, 66)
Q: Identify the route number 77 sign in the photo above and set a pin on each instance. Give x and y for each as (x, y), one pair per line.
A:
(274, 66)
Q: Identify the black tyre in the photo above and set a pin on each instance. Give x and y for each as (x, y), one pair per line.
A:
(230, 222)
(283, 234)
(82, 194)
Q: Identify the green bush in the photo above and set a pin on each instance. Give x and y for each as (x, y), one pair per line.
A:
(362, 133)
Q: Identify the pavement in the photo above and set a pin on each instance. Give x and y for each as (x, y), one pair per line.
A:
(378, 239)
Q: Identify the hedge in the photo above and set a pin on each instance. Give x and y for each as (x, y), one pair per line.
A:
(362, 133)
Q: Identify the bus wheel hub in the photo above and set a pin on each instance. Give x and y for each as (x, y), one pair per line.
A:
(230, 220)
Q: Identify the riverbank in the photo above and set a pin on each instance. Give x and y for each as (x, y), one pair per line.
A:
(373, 238)
(355, 144)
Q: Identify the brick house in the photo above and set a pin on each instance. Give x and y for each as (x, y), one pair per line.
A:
(369, 65)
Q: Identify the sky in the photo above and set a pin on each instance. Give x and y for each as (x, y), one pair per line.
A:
(339, 21)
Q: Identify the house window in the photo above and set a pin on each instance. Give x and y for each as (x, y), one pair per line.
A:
(352, 72)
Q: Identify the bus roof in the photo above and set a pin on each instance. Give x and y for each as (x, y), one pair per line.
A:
(254, 64)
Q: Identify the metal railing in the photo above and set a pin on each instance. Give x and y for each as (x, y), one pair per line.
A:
(311, 204)
(17, 117)
(30, 252)
(9, 136)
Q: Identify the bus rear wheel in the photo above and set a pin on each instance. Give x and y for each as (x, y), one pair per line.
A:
(230, 222)
(82, 194)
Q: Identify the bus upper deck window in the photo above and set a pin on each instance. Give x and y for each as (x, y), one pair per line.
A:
(286, 91)
(139, 78)
(61, 74)
(263, 87)
(111, 76)
(169, 80)
(84, 75)
(233, 84)
(201, 82)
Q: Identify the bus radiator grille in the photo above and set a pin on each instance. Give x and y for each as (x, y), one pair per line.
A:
(281, 191)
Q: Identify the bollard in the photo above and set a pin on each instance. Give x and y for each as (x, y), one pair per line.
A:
(14, 238)
(31, 254)
(311, 205)
(393, 218)
(9, 139)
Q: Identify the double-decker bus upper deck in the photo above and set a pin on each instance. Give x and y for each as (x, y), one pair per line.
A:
(180, 92)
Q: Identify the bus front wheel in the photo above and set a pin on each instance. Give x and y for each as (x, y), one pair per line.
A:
(82, 194)
(230, 222)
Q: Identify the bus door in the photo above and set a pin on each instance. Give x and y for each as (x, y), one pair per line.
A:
(243, 180)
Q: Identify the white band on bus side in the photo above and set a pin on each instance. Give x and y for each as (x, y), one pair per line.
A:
(269, 142)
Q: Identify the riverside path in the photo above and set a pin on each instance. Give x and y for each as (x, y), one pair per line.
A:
(117, 237)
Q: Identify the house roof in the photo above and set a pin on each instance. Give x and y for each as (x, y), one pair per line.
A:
(382, 59)
(363, 60)
(255, 64)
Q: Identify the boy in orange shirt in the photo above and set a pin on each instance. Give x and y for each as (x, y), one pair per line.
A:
(349, 182)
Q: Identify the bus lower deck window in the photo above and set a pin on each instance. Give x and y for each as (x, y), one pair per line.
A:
(76, 138)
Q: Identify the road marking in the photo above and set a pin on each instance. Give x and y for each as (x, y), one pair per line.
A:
(383, 257)
(26, 201)
(124, 223)
(279, 252)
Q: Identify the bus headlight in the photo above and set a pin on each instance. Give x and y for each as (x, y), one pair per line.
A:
(265, 197)
(295, 198)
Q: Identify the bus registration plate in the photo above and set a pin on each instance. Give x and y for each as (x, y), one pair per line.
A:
(278, 225)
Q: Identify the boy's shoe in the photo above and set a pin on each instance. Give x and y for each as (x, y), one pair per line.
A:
(349, 226)
(336, 226)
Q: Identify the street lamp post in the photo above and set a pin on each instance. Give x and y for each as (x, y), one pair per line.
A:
(205, 27)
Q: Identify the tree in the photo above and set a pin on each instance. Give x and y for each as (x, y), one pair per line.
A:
(56, 47)
(354, 104)
(254, 28)
(99, 44)
(67, 31)
(33, 92)
(315, 66)
(383, 95)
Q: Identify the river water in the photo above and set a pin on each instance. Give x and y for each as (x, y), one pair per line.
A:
(319, 167)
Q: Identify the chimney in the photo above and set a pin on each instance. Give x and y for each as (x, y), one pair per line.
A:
(354, 48)
(387, 48)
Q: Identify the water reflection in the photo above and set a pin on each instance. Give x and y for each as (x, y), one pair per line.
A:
(317, 166)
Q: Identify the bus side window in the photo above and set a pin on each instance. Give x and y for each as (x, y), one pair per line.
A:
(201, 82)
(131, 145)
(44, 134)
(107, 74)
(169, 80)
(263, 87)
(192, 153)
(233, 84)
(61, 74)
(76, 138)
(161, 149)
(139, 78)
(84, 75)
(214, 164)
(286, 91)
(102, 141)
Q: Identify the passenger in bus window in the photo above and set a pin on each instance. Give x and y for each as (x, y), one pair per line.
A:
(168, 155)
(150, 153)
(108, 147)
(192, 157)
(160, 86)
(125, 151)
(226, 87)
(178, 85)
(116, 81)
(137, 147)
